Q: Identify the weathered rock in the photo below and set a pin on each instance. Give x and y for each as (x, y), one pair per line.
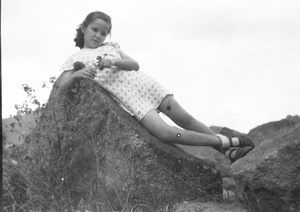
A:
(89, 151)
(271, 129)
(270, 174)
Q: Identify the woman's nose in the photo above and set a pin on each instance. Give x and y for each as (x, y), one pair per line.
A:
(98, 35)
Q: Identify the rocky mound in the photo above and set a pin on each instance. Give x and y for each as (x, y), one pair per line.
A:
(270, 130)
(87, 151)
(269, 175)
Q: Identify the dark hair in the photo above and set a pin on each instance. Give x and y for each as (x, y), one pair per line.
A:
(79, 39)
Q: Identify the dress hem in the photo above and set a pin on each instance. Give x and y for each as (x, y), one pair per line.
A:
(154, 108)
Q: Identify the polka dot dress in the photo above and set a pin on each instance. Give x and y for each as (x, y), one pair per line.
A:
(135, 91)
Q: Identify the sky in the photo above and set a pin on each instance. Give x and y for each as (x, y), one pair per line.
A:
(233, 63)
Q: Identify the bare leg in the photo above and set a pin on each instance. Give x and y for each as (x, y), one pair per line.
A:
(176, 113)
(166, 133)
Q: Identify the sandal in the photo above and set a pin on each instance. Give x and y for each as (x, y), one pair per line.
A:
(235, 154)
(231, 139)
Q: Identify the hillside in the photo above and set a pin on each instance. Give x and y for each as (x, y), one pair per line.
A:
(85, 148)
(17, 127)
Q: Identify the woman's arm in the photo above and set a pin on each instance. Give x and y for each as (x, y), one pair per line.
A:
(65, 82)
(68, 79)
(125, 63)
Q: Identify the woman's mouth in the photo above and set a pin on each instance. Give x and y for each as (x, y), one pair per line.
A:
(96, 41)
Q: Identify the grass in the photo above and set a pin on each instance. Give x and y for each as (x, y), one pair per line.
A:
(21, 193)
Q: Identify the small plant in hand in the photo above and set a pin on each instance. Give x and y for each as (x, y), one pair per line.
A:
(78, 65)
(98, 65)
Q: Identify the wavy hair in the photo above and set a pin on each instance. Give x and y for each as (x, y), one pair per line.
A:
(79, 39)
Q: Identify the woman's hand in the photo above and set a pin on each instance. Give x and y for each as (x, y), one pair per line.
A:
(106, 63)
(86, 72)
(69, 78)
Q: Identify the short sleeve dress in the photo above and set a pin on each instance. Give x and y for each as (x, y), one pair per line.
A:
(136, 92)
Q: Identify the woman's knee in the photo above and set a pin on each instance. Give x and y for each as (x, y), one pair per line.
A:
(166, 104)
(175, 112)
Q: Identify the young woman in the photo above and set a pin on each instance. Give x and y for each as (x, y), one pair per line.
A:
(139, 94)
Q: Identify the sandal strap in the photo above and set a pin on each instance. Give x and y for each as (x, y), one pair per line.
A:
(229, 142)
(239, 153)
(235, 141)
(228, 153)
(225, 141)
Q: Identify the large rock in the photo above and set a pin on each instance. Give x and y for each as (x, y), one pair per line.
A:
(270, 130)
(269, 175)
(87, 151)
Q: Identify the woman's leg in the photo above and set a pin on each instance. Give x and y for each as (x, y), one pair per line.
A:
(176, 113)
(166, 133)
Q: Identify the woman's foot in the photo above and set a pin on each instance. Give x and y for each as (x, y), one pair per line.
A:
(235, 154)
(232, 139)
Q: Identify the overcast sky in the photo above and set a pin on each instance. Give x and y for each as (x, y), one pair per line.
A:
(233, 63)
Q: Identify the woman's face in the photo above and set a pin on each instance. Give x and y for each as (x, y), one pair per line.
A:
(95, 33)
